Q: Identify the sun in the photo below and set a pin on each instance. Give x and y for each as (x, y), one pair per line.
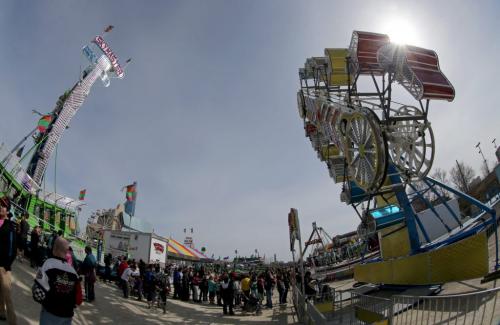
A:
(401, 31)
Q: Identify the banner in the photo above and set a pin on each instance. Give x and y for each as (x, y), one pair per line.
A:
(293, 227)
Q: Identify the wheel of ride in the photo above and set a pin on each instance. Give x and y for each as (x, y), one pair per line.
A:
(411, 143)
(365, 150)
(301, 104)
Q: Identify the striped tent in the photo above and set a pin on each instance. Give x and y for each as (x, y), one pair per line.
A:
(178, 251)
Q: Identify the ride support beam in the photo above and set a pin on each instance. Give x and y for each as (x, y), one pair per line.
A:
(408, 212)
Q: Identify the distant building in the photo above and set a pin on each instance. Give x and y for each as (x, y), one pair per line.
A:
(114, 219)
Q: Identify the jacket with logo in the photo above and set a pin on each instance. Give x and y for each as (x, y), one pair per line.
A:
(55, 287)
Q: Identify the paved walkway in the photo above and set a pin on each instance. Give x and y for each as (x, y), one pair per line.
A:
(111, 307)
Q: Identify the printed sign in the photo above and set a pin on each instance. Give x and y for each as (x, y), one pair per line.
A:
(158, 251)
(91, 56)
(159, 248)
(293, 227)
(111, 56)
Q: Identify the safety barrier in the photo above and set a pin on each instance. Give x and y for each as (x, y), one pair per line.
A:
(305, 310)
(348, 307)
(479, 307)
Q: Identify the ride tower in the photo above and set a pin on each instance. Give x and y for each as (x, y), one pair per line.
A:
(103, 65)
(381, 151)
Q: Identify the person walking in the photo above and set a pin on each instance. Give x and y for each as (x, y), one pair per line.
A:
(8, 252)
(177, 283)
(163, 285)
(196, 280)
(269, 286)
(150, 285)
(24, 229)
(34, 249)
(212, 289)
(88, 267)
(286, 283)
(124, 275)
(57, 287)
(108, 258)
(227, 293)
(245, 285)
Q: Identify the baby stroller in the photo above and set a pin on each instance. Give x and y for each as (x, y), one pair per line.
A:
(251, 304)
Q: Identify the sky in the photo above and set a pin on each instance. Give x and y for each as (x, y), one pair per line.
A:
(206, 119)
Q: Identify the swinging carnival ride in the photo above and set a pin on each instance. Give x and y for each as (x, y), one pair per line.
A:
(382, 151)
(25, 186)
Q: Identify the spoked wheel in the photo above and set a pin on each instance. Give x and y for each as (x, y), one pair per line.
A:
(366, 152)
(411, 143)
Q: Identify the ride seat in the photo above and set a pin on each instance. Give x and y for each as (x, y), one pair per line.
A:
(337, 72)
(422, 70)
(363, 52)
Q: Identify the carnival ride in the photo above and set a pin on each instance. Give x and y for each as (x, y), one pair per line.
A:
(25, 186)
(382, 151)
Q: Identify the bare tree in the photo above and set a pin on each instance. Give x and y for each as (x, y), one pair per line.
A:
(462, 176)
(442, 176)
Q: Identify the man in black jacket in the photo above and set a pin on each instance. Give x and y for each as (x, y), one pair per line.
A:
(57, 287)
(227, 293)
(7, 256)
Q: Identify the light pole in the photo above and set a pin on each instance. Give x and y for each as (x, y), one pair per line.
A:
(478, 145)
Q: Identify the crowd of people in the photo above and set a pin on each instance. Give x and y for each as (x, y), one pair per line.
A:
(138, 279)
(63, 282)
(229, 289)
(57, 285)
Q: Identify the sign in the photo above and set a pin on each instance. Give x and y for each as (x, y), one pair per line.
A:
(159, 248)
(91, 56)
(158, 251)
(188, 241)
(293, 227)
(111, 56)
(118, 244)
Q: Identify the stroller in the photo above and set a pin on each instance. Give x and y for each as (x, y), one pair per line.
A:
(251, 304)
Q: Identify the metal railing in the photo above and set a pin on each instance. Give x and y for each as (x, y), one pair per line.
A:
(348, 307)
(469, 308)
(12, 166)
(305, 310)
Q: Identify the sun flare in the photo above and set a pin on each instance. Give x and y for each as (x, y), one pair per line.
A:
(401, 31)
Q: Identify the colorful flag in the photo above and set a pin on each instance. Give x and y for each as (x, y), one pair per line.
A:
(109, 28)
(131, 196)
(82, 195)
(44, 122)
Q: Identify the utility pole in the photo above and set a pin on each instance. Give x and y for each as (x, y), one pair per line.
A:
(478, 145)
(466, 186)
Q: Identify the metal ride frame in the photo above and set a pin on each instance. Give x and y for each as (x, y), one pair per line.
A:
(376, 149)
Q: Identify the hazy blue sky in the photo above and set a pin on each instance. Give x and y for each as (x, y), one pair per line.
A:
(206, 120)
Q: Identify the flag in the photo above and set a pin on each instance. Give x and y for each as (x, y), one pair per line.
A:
(130, 193)
(82, 195)
(109, 28)
(226, 258)
(19, 152)
(44, 123)
(131, 196)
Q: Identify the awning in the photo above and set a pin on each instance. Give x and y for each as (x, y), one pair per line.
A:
(178, 251)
